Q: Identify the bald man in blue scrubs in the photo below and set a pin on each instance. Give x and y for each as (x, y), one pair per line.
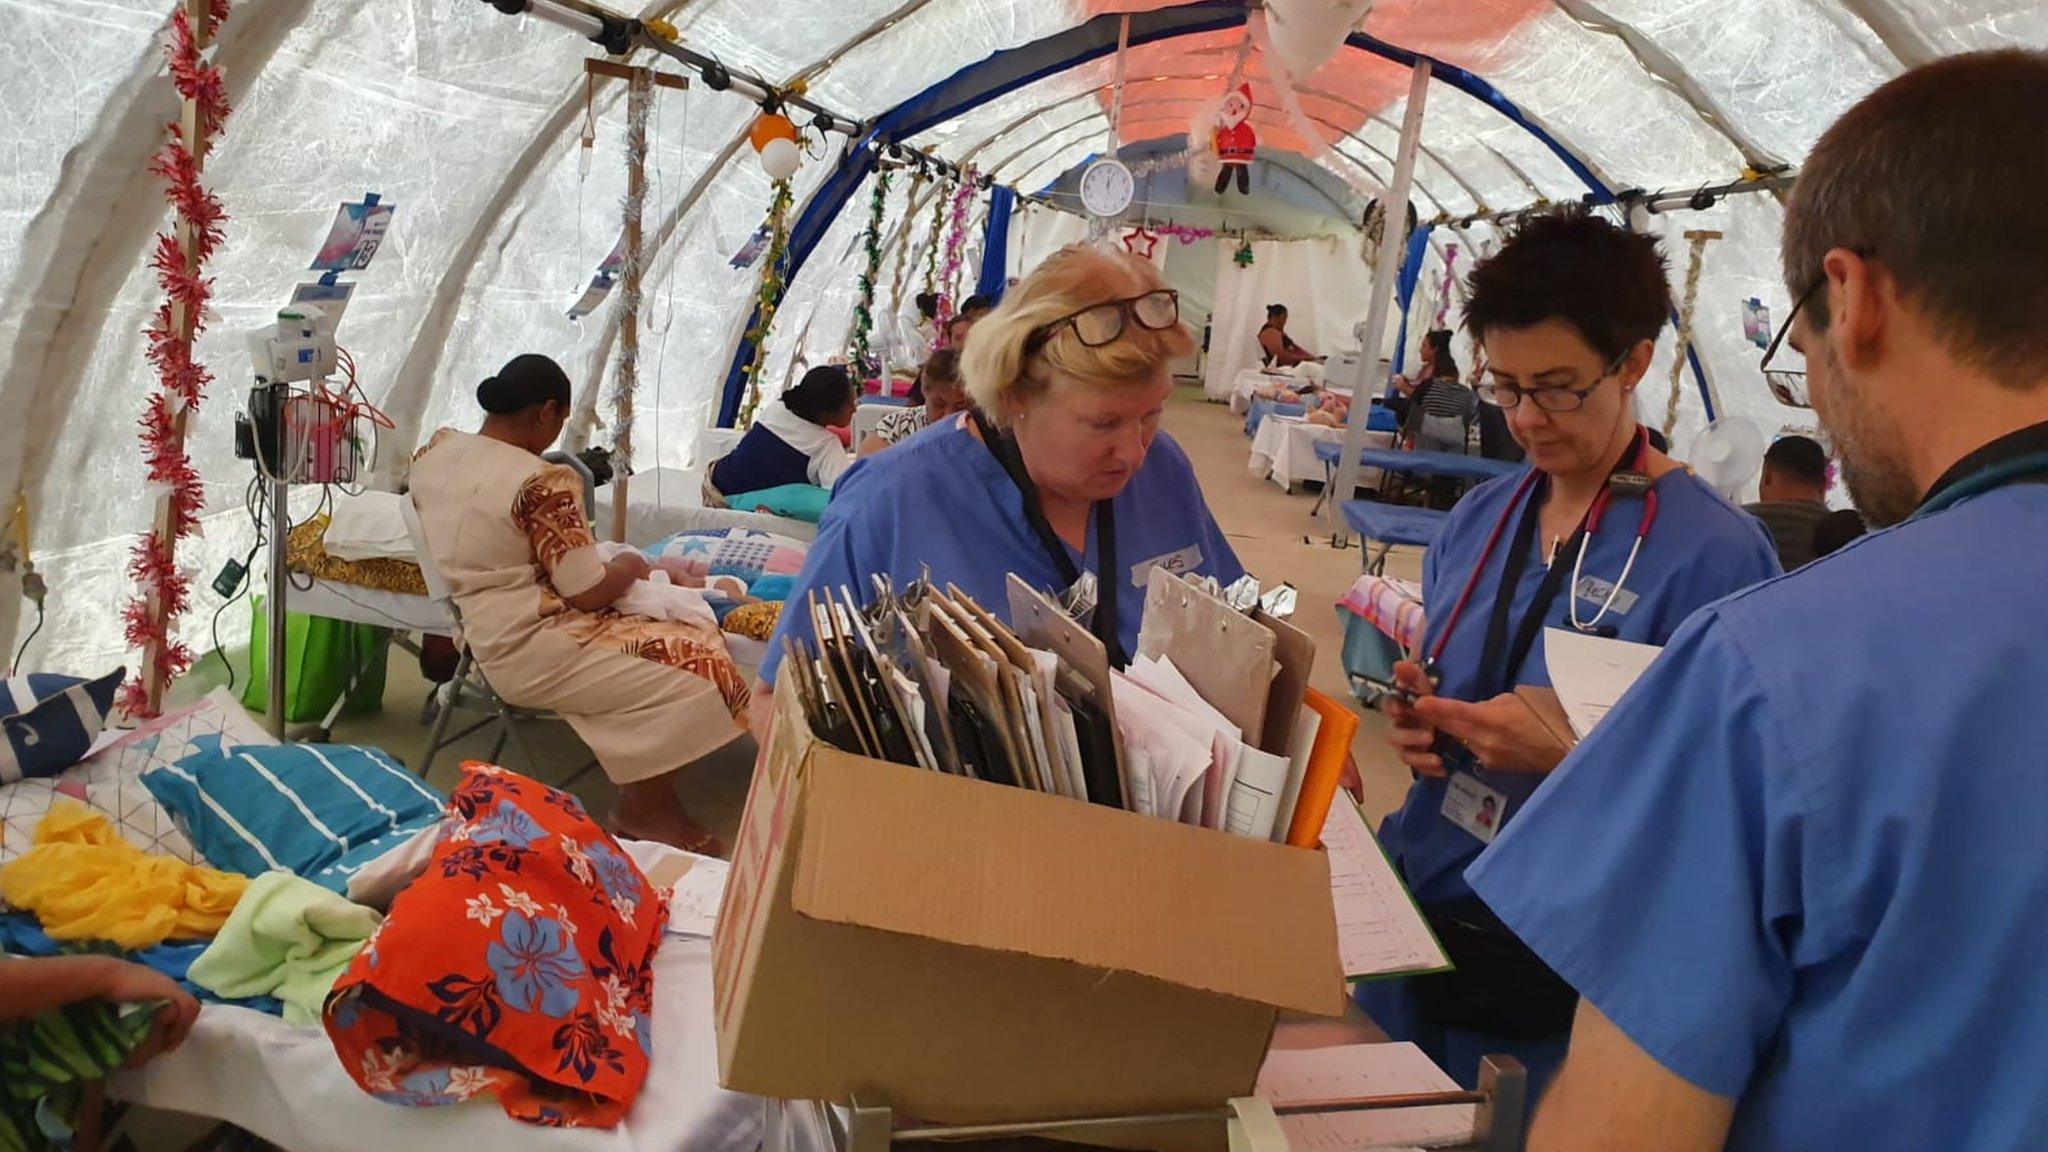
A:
(1799, 876)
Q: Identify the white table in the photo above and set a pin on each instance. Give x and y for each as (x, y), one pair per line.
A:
(1284, 451)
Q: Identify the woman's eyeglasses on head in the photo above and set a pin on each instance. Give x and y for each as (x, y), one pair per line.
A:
(1104, 323)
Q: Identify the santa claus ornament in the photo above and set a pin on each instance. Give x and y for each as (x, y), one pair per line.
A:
(1236, 143)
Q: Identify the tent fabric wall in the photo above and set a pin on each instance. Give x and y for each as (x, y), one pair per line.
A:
(467, 120)
(1323, 283)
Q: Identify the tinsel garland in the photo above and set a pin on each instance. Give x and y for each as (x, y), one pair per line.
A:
(956, 243)
(931, 251)
(917, 182)
(765, 299)
(632, 207)
(162, 591)
(863, 309)
(1685, 311)
(1448, 285)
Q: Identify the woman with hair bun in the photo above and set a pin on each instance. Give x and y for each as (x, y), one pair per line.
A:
(508, 532)
(1058, 467)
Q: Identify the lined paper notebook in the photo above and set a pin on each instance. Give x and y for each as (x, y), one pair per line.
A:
(1380, 932)
(1355, 1072)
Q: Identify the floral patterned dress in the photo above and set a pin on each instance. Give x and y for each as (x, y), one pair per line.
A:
(518, 965)
(508, 533)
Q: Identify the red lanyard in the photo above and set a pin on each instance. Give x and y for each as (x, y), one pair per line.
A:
(1633, 479)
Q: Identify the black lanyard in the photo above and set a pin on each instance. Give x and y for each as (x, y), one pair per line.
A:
(1520, 549)
(1004, 449)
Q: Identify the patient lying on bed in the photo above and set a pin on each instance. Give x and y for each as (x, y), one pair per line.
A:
(541, 605)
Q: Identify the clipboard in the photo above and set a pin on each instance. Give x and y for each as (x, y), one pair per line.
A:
(836, 652)
(975, 676)
(916, 655)
(1037, 722)
(1295, 651)
(1017, 721)
(1044, 625)
(1225, 654)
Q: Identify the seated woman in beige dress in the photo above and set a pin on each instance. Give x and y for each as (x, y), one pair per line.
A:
(509, 534)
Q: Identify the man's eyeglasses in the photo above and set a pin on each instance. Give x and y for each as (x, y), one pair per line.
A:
(1100, 324)
(1789, 384)
(1560, 399)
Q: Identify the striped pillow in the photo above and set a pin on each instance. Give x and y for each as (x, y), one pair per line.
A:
(321, 811)
(51, 721)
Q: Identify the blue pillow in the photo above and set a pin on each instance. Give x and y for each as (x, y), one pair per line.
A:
(51, 721)
(321, 811)
(796, 501)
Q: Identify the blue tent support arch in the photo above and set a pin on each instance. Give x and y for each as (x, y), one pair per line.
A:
(1008, 70)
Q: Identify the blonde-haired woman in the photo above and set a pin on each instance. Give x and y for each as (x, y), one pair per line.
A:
(1058, 468)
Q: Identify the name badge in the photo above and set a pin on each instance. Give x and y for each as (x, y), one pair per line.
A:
(1592, 592)
(1177, 563)
(1474, 807)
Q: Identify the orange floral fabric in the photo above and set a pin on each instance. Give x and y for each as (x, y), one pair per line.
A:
(518, 965)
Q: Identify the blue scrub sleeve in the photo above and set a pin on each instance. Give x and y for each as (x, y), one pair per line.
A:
(1657, 870)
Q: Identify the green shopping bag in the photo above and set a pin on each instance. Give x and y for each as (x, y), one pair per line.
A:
(320, 657)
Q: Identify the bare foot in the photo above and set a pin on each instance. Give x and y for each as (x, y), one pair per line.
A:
(676, 830)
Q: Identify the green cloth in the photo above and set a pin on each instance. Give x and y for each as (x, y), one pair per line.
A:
(320, 654)
(46, 1062)
(288, 938)
(796, 501)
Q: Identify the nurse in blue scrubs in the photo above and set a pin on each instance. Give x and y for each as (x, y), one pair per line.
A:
(1059, 468)
(1602, 533)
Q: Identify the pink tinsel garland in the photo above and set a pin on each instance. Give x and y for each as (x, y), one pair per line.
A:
(956, 243)
(162, 592)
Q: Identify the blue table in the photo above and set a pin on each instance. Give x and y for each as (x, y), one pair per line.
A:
(1420, 463)
(887, 401)
(1434, 464)
(1390, 524)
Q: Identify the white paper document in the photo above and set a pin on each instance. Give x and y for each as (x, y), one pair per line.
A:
(1356, 1072)
(1589, 673)
(1380, 932)
(693, 900)
(1165, 758)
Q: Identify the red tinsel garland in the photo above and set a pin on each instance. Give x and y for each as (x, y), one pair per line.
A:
(162, 592)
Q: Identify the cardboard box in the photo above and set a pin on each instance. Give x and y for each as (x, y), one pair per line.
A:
(968, 952)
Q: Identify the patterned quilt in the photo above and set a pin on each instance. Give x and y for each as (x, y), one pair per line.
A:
(110, 780)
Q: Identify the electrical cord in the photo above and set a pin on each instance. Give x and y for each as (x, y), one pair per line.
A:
(23, 650)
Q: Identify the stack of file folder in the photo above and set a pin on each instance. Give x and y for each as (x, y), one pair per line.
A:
(1212, 725)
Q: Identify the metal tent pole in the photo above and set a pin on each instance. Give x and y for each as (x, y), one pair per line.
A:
(1367, 381)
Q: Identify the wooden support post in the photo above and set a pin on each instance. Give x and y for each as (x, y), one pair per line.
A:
(641, 83)
(193, 134)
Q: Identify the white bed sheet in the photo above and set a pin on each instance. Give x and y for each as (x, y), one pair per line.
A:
(355, 604)
(1284, 451)
(661, 502)
(285, 1085)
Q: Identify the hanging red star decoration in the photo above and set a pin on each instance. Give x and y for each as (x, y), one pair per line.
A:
(1140, 242)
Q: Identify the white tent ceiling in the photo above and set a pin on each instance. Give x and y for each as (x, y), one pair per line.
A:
(468, 121)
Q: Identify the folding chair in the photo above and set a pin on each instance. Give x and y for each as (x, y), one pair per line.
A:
(470, 689)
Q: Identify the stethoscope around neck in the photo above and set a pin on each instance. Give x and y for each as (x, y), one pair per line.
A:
(1633, 480)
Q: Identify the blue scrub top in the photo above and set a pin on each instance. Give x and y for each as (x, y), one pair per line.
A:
(1700, 548)
(1801, 863)
(940, 499)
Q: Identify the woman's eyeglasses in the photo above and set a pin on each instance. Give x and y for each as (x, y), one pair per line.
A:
(1100, 324)
(1789, 384)
(1558, 399)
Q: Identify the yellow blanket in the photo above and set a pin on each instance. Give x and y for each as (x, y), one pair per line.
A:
(84, 882)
